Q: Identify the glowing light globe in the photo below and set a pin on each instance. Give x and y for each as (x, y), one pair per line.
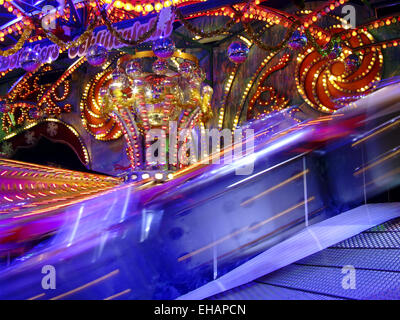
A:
(30, 60)
(297, 41)
(117, 86)
(96, 55)
(336, 51)
(4, 108)
(35, 113)
(117, 73)
(160, 66)
(186, 69)
(238, 52)
(133, 69)
(163, 48)
(352, 62)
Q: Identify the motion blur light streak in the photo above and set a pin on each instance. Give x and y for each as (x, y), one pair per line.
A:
(383, 129)
(301, 174)
(118, 294)
(87, 285)
(389, 174)
(266, 170)
(377, 162)
(76, 225)
(269, 234)
(248, 228)
(37, 296)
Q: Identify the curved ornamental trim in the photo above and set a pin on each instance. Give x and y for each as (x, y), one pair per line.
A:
(53, 129)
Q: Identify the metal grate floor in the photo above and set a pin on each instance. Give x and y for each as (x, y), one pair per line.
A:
(375, 255)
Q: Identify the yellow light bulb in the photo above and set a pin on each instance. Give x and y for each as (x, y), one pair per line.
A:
(148, 7)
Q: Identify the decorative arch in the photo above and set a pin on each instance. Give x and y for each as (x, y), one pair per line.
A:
(54, 130)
